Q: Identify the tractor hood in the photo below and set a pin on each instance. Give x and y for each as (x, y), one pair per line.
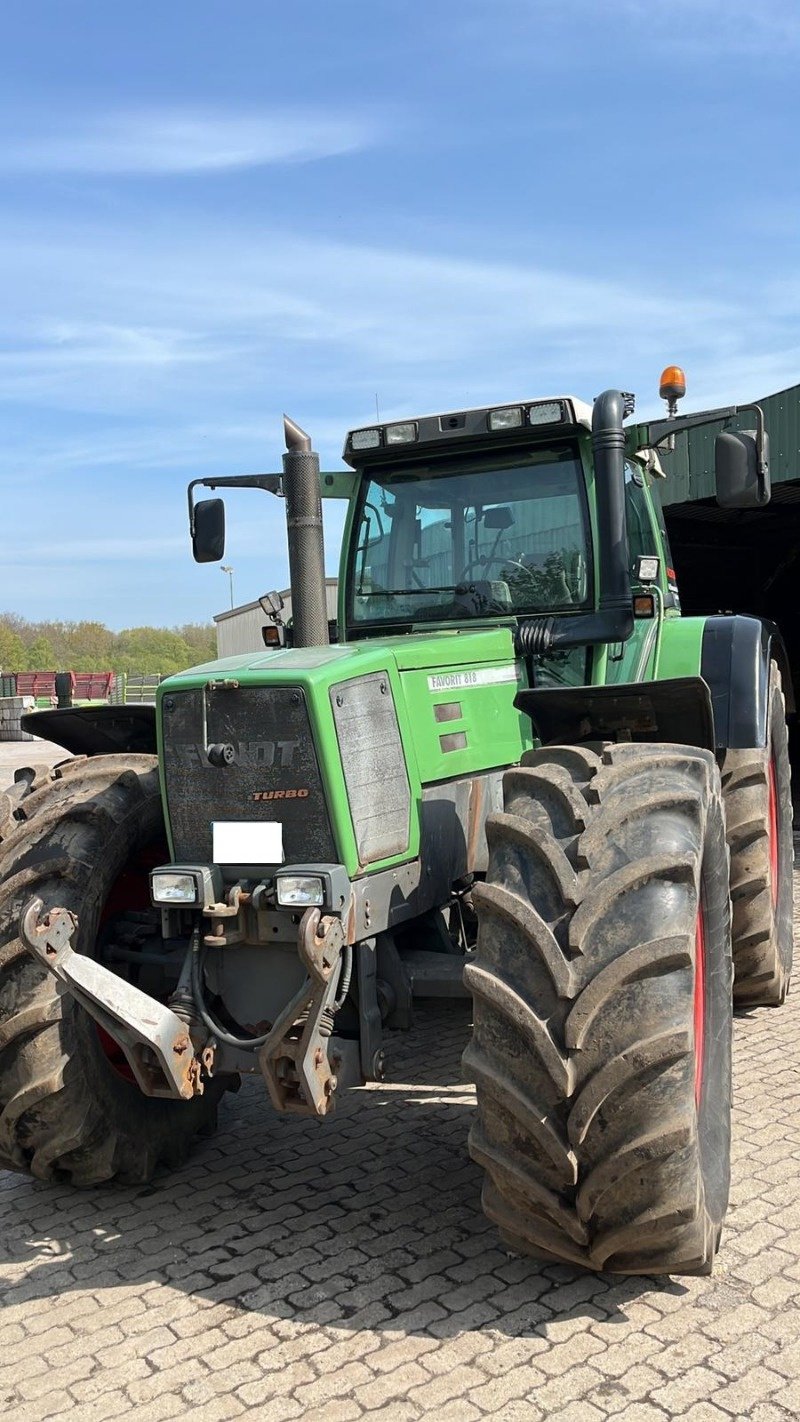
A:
(430, 649)
(336, 745)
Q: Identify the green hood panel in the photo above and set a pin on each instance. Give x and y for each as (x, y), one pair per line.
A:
(452, 692)
(308, 665)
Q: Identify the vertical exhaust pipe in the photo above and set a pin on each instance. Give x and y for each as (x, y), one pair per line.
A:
(612, 620)
(304, 535)
(608, 449)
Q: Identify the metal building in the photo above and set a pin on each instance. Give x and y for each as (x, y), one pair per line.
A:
(239, 629)
(740, 560)
(690, 470)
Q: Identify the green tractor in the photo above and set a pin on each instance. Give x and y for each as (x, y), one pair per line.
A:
(519, 775)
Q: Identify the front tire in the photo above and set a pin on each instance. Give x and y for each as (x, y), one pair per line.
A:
(602, 1032)
(65, 1111)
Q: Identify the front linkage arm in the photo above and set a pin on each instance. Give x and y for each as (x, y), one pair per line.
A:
(294, 1058)
(154, 1039)
(298, 1071)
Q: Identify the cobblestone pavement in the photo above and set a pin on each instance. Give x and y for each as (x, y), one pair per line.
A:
(334, 1271)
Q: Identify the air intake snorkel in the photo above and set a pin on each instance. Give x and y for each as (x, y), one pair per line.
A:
(612, 620)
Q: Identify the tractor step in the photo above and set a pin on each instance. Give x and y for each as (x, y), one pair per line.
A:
(435, 974)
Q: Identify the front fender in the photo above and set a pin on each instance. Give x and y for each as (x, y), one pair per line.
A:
(96, 730)
(736, 652)
(676, 711)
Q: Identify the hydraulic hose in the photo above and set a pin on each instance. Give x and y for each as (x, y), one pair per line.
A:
(247, 1044)
(346, 975)
(250, 1044)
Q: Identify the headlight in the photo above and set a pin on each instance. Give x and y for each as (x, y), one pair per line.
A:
(176, 884)
(401, 434)
(300, 890)
(365, 439)
(547, 412)
(166, 888)
(508, 419)
(646, 569)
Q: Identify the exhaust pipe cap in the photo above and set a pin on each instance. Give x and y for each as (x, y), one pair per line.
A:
(296, 439)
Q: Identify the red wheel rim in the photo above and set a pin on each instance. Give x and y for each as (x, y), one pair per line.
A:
(699, 1005)
(773, 831)
(115, 1055)
(131, 890)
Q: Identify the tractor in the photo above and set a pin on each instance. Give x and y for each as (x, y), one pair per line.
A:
(519, 775)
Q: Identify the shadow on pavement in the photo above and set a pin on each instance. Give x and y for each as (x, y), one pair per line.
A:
(371, 1220)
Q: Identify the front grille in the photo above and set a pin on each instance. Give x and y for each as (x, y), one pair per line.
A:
(274, 776)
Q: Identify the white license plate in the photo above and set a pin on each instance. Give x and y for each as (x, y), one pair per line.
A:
(247, 842)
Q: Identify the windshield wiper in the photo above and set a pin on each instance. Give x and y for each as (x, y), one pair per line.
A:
(405, 592)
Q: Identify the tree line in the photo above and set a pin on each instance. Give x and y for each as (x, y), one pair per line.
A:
(91, 646)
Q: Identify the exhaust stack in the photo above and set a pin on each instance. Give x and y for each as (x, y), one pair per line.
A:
(608, 448)
(304, 535)
(612, 620)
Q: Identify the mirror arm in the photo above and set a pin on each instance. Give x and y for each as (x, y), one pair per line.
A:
(660, 430)
(664, 429)
(270, 483)
(763, 469)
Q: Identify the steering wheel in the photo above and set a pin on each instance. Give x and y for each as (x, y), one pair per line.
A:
(484, 563)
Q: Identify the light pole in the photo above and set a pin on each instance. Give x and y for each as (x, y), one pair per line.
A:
(226, 568)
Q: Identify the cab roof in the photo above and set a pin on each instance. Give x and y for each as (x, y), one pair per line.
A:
(513, 420)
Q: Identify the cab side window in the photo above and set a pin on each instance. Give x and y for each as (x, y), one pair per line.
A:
(671, 599)
(642, 537)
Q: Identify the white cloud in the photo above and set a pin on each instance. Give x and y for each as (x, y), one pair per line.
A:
(642, 33)
(153, 142)
(768, 27)
(248, 310)
(134, 366)
(193, 325)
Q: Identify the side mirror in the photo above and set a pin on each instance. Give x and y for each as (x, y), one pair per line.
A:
(500, 518)
(741, 466)
(208, 531)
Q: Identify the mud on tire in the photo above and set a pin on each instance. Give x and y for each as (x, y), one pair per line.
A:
(601, 1045)
(66, 835)
(757, 793)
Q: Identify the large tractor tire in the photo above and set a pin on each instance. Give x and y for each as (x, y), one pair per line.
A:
(757, 792)
(78, 837)
(601, 1049)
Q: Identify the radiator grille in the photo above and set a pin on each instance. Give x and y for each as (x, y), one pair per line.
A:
(275, 775)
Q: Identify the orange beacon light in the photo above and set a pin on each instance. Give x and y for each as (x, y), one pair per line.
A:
(672, 388)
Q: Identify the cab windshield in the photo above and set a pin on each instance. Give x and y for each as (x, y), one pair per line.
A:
(471, 540)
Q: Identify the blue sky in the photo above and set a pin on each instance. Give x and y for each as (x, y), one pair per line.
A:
(217, 211)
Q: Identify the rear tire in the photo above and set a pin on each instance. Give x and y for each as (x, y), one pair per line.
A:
(757, 793)
(65, 1113)
(602, 1032)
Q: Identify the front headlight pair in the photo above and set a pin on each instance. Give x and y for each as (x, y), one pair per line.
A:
(201, 886)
